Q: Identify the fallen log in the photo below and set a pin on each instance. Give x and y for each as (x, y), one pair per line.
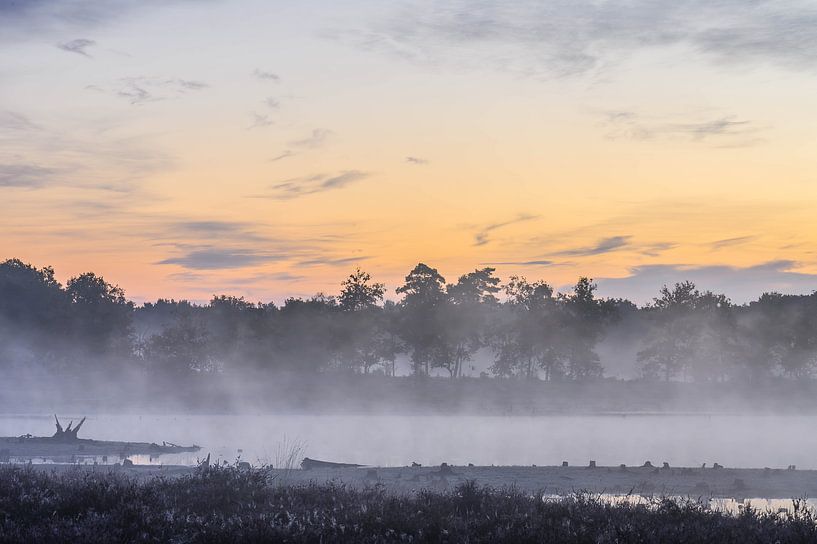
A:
(64, 442)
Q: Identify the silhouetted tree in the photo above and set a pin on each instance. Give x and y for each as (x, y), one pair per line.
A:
(306, 333)
(101, 315)
(361, 325)
(423, 294)
(460, 319)
(528, 336)
(34, 314)
(358, 292)
(779, 334)
(179, 349)
(89, 324)
(691, 333)
(584, 317)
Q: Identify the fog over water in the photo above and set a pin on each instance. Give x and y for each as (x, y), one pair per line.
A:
(389, 440)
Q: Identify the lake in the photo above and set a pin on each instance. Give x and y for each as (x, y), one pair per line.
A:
(386, 440)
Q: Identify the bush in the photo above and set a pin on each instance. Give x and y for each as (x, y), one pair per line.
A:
(225, 504)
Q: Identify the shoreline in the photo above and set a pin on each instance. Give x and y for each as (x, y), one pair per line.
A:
(737, 483)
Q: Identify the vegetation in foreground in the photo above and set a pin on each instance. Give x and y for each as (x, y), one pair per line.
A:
(231, 505)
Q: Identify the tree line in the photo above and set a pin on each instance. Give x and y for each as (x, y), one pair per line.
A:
(522, 329)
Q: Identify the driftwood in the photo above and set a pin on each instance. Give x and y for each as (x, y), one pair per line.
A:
(309, 464)
(69, 434)
(65, 442)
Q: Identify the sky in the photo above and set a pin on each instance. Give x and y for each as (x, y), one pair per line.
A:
(266, 149)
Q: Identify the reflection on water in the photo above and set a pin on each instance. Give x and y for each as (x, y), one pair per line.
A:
(388, 440)
(731, 505)
(82, 459)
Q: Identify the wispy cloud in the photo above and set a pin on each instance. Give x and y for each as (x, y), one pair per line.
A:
(266, 75)
(188, 84)
(518, 263)
(605, 245)
(657, 248)
(80, 157)
(26, 175)
(296, 187)
(482, 237)
(318, 138)
(192, 234)
(728, 242)
(416, 160)
(328, 261)
(10, 120)
(260, 120)
(211, 227)
(20, 19)
(724, 126)
(281, 156)
(564, 37)
(272, 103)
(140, 90)
(217, 258)
(725, 131)
(741, 284)
(77, 46)
(262, 278)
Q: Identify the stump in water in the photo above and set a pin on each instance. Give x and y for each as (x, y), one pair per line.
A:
(68, 434)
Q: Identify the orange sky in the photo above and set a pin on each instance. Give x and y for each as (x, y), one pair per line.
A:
(270, 158)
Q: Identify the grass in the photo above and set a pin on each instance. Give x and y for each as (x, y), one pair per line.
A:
(231, 505)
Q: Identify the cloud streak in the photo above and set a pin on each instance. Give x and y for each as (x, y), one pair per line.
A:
(729, 242)
(567, 37)
(26, 175)
(518, 263)
(605, 245)
(22, 19)
(656, 249)
(77, 46)
(141, 90)
(341, 261)
(298, 187)
(260, 120)
(482, 237)
(318, 138)
(281, 156)
(266, 75)
(741, 284)
(10, 120)
(726, 131)
(217, 259)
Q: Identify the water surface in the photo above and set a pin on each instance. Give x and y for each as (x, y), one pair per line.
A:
(387, 440)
